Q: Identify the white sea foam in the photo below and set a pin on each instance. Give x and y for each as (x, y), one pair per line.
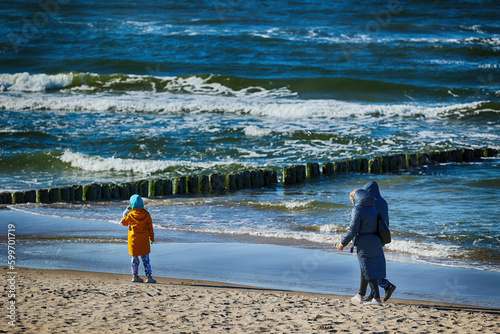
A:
(245, 153)
(476, 28)
(330, 228)
(25, 82)
(289, 205)
(82, 88)
(451, 62)
(203, 86)
(312, 237)
(489, 66)
(358, 37)
(255, 131)
(490, 41)
(162, 29)
(425, 249)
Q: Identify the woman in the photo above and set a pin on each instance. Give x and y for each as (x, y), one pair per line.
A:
(368, 244)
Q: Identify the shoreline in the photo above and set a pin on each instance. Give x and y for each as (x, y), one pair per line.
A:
(271, 267)
(41, 243)
(90, 302)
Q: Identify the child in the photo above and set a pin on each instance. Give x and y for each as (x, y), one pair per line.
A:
(140, 231)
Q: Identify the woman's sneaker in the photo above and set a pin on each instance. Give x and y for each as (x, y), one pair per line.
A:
(137, 279)
(373, 302)
(357, 300)
(151, 280)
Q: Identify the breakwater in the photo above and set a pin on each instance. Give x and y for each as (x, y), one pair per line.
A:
(218, 183)
(191, 184)
(295, 174)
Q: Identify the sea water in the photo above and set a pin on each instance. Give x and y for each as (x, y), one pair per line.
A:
(119, 91)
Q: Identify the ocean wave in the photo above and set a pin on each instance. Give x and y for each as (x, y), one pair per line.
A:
(487, 41)
(92, 163)
(417, 250)
(307, 236)
(213, 85)
(120, 83)
(284, 108)
(329, 36)
(39, 160)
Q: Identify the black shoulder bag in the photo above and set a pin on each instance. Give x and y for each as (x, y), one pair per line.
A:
(383, 231)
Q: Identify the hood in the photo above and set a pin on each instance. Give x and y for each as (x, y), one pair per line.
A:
(363, 198)
(372, 188)
(136, 202)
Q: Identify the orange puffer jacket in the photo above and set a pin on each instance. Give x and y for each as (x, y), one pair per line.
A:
(140, 230)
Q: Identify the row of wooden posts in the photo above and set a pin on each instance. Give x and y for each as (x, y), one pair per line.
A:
(384, 164)
(193, 184)
(218, 183)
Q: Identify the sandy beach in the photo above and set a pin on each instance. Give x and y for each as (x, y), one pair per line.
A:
(245, 125)
(62, 301)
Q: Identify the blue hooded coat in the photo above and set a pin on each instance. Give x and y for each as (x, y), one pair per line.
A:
(380, 203)
(368, 245)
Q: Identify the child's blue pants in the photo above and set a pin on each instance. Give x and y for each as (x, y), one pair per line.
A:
(145, 262)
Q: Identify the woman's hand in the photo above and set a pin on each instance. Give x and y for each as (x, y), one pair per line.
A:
(340, 247)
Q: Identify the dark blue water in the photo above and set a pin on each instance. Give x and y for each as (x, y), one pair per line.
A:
(113, 91)
(377, 51)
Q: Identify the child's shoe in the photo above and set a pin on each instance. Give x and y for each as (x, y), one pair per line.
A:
(137, 279)
(151, 280)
